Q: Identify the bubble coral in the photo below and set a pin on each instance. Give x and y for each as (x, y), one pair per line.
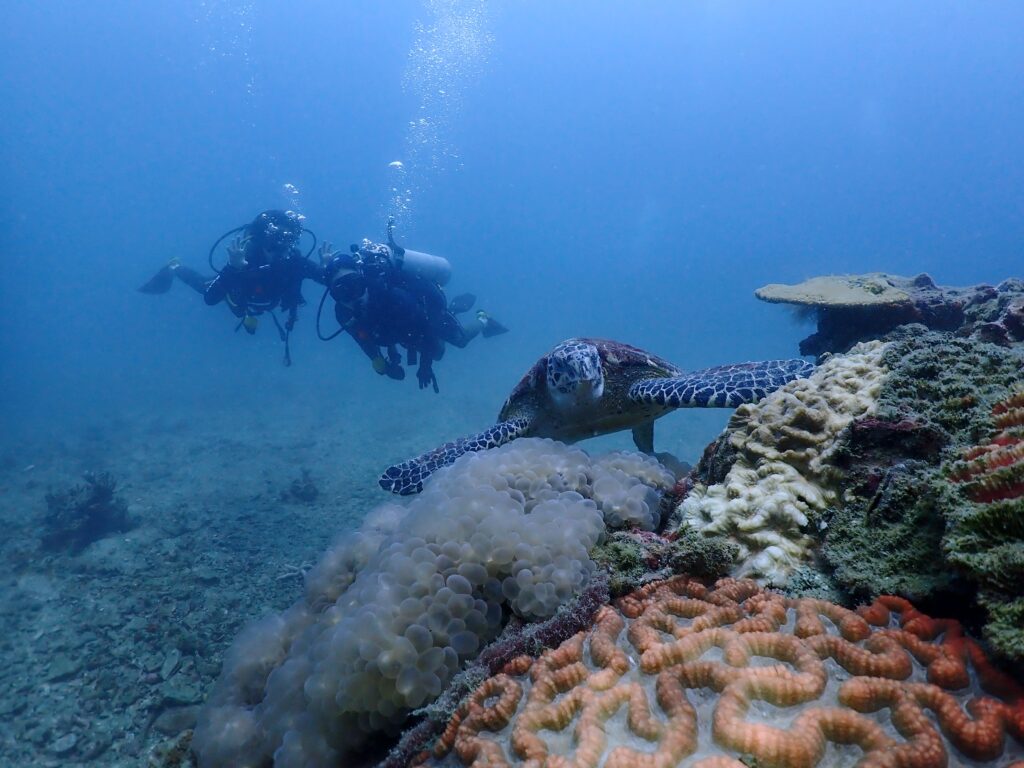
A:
(393, 612)
(736, 675)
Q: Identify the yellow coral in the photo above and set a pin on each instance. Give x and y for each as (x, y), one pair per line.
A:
(782, 475)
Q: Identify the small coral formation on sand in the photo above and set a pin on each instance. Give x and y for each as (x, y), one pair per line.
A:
(392, 615)
(986, 535)
(80, 515)
(853, 308)
(302, 489)
(781, 683)
(776, 480)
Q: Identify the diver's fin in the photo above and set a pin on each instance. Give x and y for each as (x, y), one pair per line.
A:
(461, 303)
(161, 282)
(491, 326)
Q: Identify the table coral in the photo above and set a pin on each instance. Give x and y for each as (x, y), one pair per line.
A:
(678, 674)
(781, 478)
(852, 308)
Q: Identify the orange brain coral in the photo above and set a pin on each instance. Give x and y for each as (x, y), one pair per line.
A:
(678, 674)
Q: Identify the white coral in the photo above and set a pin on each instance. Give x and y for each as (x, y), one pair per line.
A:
(782, 475)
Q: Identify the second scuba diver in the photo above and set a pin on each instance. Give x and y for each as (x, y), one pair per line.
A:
(265, 270)
(386, 296)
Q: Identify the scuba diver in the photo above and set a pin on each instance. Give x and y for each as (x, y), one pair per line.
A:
(265, 269)
(386, 296)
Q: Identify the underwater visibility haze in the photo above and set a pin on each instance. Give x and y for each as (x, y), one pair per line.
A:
(631, 172)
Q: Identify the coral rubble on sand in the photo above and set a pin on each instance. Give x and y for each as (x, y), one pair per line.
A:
(853, 308)
(735, 676)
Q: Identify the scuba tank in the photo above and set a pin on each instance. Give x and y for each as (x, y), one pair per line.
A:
(435, 268)
(378, 257)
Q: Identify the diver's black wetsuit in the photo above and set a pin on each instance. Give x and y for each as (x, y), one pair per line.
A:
(399, 308)
(260, 287)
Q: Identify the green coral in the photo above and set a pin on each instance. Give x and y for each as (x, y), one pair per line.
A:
(902, 526)
(632, 559)
(707, 557)
(987, 542)
(1004, 629)
(947, 383)
(808, 581)
(622, 558)
(888, 542)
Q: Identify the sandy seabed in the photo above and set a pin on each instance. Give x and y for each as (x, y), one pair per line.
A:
(108, 651)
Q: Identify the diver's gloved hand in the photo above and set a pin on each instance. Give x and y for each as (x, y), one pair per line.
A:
(426, 378)
(249, 322)
(326, 254)
(236, 252)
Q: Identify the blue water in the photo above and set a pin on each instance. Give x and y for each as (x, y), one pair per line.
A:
(625, 170)
(619, 170)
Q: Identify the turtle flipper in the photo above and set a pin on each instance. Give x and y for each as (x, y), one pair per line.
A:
(725, 386)
(407, 478)
(643, 437)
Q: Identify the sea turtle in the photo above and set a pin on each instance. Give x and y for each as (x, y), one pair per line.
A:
(588, 387)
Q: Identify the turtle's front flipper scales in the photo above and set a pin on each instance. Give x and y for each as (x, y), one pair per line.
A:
(408, 477)
(725, 386)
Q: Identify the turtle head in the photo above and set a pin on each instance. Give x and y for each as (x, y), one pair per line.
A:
(574, 374)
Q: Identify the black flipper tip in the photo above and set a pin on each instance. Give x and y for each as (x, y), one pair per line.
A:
(493, 328)
(161, 282)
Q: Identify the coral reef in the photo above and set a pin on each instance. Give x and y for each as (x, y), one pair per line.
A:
(985, 535)
(392, 614)
(80, 515)
(1000, 318)
(736, 676)
(886, 533)
(634, 558)
(769, 481)
(854, 308)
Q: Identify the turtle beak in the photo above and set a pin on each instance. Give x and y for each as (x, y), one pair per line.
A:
(583, 393)
(590, 390)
